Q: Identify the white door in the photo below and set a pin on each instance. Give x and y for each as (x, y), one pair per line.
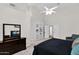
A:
(46, 31)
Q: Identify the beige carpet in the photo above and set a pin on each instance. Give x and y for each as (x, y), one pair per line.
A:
(28, 51)
(30, 48)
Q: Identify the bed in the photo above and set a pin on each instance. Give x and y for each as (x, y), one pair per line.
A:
(53, 46)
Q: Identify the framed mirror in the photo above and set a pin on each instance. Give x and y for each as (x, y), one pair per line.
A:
(51, 31)
(48, 31)
(11, 31)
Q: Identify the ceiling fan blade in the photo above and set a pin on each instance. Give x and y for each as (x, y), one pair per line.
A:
(54, 8)
(46, 8)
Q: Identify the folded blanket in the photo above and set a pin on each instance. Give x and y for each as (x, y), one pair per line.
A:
(75, 47)
(75, 42)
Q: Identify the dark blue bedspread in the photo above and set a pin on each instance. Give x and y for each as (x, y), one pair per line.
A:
(53, 47)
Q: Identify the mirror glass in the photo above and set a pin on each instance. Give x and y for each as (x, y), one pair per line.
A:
(8, 29)
(50, 31)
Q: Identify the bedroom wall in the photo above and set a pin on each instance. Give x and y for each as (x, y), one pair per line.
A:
(65, 21)
(15, 15)
(25, 14)
(36, 19)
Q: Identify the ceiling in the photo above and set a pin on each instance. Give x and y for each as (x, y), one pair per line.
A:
(39, 6)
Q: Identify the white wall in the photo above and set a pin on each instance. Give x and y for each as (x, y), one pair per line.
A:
(66, 20)
(36, 18)
(24, 14)
(15, 15)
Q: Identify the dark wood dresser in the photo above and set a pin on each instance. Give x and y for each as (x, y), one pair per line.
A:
(9, 47)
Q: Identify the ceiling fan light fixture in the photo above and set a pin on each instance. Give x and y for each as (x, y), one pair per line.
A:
(51, 10)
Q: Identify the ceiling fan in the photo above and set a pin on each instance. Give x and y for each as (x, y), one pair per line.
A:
(51, 10)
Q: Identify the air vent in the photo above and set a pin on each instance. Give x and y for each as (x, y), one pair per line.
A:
(11, 4)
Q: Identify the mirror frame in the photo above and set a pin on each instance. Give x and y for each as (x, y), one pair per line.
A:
(19, 26)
